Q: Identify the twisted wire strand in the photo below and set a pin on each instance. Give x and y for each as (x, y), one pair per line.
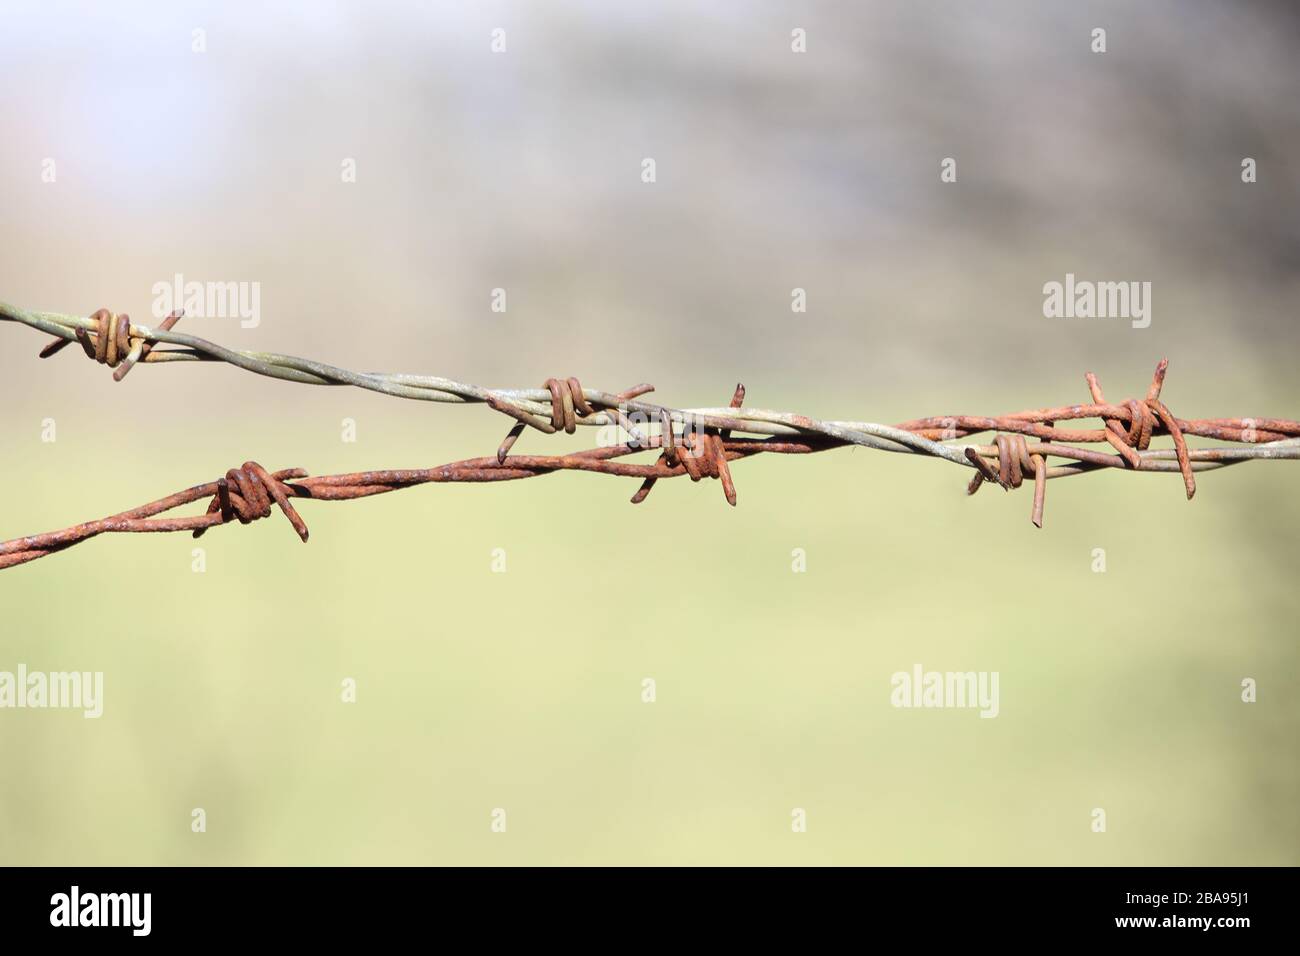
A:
(246, 500)
(527, 405)
(534, 404)
(698, 443)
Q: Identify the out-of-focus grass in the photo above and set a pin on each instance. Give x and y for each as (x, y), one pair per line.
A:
(521, 690)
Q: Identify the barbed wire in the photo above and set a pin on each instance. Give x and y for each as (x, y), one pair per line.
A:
(529, 406)
(699, 443)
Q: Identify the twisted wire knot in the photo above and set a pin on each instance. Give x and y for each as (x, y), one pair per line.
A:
(245, 494)
(112, 341)
(1015, 458)
(1141, 424)
(1143, 416)
(567, 403)
(1128, 436)
(701, 454)
(115, 341)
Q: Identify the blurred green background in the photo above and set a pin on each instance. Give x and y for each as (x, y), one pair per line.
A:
(522, 690)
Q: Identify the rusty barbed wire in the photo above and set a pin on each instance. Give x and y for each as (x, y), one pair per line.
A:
(703, 447)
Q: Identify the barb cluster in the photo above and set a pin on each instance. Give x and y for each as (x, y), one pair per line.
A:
(699, 443)
(1128, 436)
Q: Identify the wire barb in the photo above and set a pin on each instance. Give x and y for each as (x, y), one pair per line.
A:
(257, 488)
(702, 453)
(569, 406)
(115, 341)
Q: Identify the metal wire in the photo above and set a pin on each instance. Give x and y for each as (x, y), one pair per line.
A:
(527, 405)
(698, 443)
